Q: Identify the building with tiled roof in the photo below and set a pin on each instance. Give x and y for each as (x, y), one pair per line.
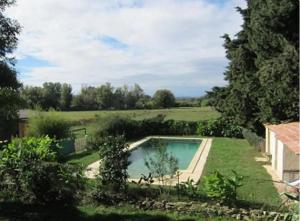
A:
(282, 145)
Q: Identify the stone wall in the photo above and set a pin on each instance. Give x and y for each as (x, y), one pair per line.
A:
(207, 210)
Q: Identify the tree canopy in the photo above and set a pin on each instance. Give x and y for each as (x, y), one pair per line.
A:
(163, 99)
(9, 85)
(59, 96)
(263, 70)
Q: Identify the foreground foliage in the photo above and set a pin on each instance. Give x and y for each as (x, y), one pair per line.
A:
(114, 156)
(29, 172)
(222, 188)
(125, 212)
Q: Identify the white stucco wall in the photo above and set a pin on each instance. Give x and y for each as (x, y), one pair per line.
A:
(267, 147)
(280, 159)
(273, 151)
(284, 162)
(291, 165)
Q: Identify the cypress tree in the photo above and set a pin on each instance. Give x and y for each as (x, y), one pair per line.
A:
(263, 70)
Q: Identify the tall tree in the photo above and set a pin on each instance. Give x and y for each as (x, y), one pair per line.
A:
(119, 98)
(52, 94)
(105, 96)
(33, 96)
(66, 96)
(163, 99)
(263, 71)
(9, 85)
(86, 100)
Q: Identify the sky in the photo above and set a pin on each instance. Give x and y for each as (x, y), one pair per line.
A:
(172, 44)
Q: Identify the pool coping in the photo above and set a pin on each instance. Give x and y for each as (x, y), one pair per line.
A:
(196, 166)
(194, 170)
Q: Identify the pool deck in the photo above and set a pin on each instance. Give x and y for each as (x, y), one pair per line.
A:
(194, 170)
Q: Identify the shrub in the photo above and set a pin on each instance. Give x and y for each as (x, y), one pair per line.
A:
(253, 139)
(117, 125)
(162, 163)
(222, 188)
(29, 172)
(188, 188)
(19, 159)
(181, 127)
(112, 126)
(152, 126)
(52, 125)
(52, 182)
(219, 128)
(114, 162)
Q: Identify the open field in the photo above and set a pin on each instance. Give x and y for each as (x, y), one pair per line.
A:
(188, 114)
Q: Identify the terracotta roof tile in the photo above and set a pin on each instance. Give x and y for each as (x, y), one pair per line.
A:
(288, 134)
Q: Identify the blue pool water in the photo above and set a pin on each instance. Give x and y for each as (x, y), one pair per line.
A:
(183, 150)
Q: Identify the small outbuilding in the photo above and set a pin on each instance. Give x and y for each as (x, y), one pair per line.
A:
(282, 145)
(22, 123)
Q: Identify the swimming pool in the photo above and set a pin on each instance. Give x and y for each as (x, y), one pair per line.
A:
(183, 149)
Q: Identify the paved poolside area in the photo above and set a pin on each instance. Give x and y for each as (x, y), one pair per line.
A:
(194, 170)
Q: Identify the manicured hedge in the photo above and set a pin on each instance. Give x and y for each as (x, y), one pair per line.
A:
(254, 140)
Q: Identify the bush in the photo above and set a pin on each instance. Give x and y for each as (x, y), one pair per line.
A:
(29, 172)
(52, 125)
(222, 188)
(161, 163)
(17, 162)
(117, 125)
(181, 127)
(114, 162)
(253, 139)
(219, 128)
(56, 183)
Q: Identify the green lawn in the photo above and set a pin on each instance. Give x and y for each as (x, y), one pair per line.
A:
(236, 154)
(84, 159)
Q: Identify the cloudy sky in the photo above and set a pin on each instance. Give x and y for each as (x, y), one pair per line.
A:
(172, 44)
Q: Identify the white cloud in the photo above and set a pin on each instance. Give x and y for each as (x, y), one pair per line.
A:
(168, 39)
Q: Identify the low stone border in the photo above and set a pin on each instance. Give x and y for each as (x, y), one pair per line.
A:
(206, 209)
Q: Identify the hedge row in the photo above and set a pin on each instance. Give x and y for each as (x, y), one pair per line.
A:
(132, 129)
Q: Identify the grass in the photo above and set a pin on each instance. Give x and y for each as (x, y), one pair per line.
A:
(87, 119)
(15, 211)
(188, 114)
(84, 158)
(236, 154)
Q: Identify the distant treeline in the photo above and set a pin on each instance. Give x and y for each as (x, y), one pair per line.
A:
(59, 96)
